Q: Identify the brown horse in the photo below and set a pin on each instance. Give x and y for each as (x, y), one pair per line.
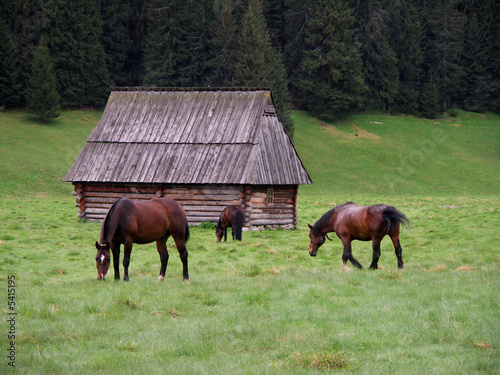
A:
(352, 222)
(231, 216)
(128, 222)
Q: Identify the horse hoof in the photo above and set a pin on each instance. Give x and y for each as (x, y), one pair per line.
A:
(186, 281)
(161, 278)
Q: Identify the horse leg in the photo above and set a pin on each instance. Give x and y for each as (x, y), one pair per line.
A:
(399, 250)
(225, 234)
(161, 246)
(115, 249)
(233, 227)
(180, 243)
(376, 253)
(127, 247)
(347, 255)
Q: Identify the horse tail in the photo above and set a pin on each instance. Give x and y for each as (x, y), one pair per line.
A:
(239, 224)
(393, 218)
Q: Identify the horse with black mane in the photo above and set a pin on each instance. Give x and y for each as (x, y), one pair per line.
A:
(231, 216)
(128, 222)
(352, 222)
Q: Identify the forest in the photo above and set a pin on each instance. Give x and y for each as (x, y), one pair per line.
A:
(328, 57)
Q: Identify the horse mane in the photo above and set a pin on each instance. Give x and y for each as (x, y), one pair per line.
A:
(323, 220)
(108, 217)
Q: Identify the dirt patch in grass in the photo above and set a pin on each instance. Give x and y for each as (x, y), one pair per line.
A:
(440, 267)
(325, 361)
(465, 268)
(357, 132)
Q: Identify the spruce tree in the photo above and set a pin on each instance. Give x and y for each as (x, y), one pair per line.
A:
(177, 49)
(447, 33)
(430, 105)
(380, 62)
(330, 82)
(296, 13)
(137, 31)
(73, 35)
(261, 65)
(10, 86)
(25, 21)
(494, 60)
(116, 40)
(475, 63)
(223, 38)
(407, 42)
(41, 96)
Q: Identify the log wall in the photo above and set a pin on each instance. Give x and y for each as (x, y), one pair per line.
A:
(283, 212)
(201, 202)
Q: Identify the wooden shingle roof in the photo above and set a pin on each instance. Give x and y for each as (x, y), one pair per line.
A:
(193, 136)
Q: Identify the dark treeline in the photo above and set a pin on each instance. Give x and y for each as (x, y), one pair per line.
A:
(329, 57)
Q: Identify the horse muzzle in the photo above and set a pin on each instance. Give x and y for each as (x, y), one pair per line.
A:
(313, 252)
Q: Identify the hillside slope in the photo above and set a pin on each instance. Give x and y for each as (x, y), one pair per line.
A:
(374, 154)
(365, 154)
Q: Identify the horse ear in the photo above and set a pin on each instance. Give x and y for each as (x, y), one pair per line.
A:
(309, 225)
(97, 246)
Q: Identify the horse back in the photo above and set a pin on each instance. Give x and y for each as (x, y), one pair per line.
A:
(148, 221)
(359, 222)
(229, 214)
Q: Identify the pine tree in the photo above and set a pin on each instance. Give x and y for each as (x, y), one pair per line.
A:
(73, 35)
(10, 86)
(259, 64)
(446, 45)
(475, 63)
(42, 97)
(137, 31)
(296, 14)
(223, 37)
(177, 48)
(274, 13)
(407, 36)
(116, 40)
(494, 59)
(25, 23)
(380, 62)
(430, 106)
(330, 82)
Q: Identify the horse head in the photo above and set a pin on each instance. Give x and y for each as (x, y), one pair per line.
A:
(102, 259)
(219, 231)
(317, 239)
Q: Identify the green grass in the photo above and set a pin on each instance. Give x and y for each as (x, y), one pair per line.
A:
(35, 157)
(264, 306)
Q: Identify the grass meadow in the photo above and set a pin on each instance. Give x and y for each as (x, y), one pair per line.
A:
(264, 306)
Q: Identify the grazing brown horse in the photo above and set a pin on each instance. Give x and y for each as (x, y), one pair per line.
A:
(231, 216)
(352, 222)
(128, 222)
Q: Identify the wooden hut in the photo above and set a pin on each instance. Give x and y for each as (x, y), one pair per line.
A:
(207, 148)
